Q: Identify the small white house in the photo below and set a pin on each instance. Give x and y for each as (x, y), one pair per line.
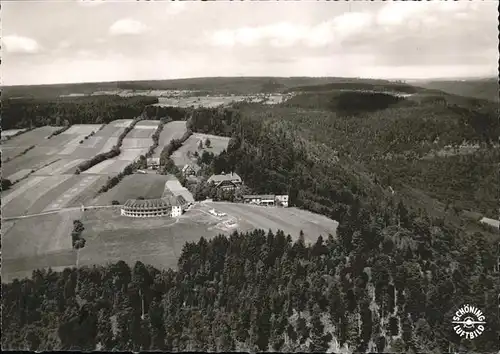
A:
(176, 211)
(283, 199)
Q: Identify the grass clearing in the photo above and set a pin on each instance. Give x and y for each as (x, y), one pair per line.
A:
(32, 160)
(185, 154)
(60, 167)
(149, 186)
(20, 188)
(18, 175)
(71, 193)
(36, 136)
(290, 220)
(10, 132)
(136, 143)
(156, 241)
(21, 204)
(53, 234)
(83, 129)
(171, 130)
(108, 145)
(132, 154)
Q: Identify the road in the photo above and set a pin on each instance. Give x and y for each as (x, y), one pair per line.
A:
(55, 211)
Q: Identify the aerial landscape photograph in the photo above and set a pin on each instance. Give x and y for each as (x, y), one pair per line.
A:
(251, 176)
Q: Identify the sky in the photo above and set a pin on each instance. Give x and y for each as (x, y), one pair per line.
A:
(60, 41)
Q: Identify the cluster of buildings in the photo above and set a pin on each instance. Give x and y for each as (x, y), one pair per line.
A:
(175, 205)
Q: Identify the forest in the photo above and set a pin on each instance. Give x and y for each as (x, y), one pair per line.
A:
(390, 283)
(35, 112)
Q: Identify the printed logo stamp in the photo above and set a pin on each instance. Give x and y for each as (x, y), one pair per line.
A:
(469, 321)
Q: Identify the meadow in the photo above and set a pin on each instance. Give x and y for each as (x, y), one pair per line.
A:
(171, 130)
(290, 220)
(24, 250)
(185, 154)
(149, 186)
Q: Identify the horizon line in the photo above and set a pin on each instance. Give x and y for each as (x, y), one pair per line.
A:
(270, 77)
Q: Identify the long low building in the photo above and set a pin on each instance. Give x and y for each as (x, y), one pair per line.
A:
(148, 208)
(266, 199)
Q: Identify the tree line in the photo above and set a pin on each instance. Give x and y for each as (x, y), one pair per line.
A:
(34, 112)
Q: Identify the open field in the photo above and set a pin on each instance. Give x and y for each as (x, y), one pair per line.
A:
(205, 101)
(21, 188)
(156, 241)
(290, 220)
(122, 123)
(10, 132)
(217, 144)
(9, 152)
(53, 233)
(136, 143)
(131, 154)
(140, 136)
(36, 136)
(71, 192)
(59, 167)
(111, 166)
(18, 175)
(37, 194)
(29, 193)
(171, 130)
(83, 129)
(77, 186)
(114, 128)
(32, 160)
(25, 250)
(149, 186)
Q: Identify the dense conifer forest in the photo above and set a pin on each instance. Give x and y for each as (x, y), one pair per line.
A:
(36, 112)
(389, 280)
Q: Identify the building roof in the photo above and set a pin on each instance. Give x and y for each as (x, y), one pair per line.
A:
(259, 196)
(224, 177)
(181, 200)
(166, 202)
(192, 167)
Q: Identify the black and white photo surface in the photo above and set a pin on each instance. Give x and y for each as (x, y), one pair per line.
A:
(251, 176)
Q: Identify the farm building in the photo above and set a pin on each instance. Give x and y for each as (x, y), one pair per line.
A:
(169, 206)
(224, 181)
(267, 199)
(153, 163)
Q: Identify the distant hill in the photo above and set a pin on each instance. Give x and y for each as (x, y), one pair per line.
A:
(216, 85)
(478, 88)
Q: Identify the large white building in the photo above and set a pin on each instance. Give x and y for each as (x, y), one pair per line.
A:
(149, 208)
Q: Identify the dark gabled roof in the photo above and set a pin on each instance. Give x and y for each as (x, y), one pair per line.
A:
(181, 200)
(226, 177)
